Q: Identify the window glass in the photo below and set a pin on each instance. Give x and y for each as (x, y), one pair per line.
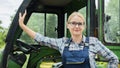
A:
(112, 21)
(51, 25)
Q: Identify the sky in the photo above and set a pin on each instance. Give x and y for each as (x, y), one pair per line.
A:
(7, 9)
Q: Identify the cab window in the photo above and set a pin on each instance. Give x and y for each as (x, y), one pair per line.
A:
(112, 21)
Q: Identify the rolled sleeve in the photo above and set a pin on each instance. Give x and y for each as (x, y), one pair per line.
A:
(37, 37)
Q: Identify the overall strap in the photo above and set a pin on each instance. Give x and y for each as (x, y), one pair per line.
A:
(87, 40)
(68, 42)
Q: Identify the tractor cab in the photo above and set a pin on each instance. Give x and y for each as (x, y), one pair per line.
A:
(49, 17)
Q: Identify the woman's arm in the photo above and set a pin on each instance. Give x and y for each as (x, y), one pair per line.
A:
(30, 32)
(109, 55)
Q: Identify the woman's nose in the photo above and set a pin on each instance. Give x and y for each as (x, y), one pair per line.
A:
(76, 25)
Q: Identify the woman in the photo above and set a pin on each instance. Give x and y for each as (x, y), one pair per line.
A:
(77, 51)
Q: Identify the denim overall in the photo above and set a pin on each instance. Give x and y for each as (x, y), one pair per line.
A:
(76, 58)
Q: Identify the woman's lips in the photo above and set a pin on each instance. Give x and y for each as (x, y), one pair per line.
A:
(76, 30)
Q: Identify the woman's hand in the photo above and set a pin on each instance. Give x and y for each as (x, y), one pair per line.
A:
(21, 18)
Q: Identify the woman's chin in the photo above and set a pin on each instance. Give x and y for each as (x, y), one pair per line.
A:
(77, 34)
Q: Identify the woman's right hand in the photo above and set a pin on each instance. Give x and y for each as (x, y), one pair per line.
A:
(21, 18)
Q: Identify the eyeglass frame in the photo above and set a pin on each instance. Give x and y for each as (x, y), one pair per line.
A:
(76, 23)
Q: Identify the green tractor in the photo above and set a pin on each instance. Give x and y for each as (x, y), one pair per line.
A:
(49, 17)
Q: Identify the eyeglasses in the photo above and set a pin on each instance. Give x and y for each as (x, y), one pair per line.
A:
(76, 23)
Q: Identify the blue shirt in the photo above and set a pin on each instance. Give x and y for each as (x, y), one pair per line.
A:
(95, 47)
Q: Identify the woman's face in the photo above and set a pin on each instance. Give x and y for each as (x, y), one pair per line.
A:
(76, 25)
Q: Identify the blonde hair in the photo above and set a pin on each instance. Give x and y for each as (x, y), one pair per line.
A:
(76, 14)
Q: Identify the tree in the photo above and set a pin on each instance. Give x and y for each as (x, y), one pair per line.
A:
(3, 33)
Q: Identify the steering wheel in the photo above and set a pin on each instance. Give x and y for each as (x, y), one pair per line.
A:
(26, 48)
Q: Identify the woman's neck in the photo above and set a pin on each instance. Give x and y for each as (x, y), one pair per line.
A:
(77, 39)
